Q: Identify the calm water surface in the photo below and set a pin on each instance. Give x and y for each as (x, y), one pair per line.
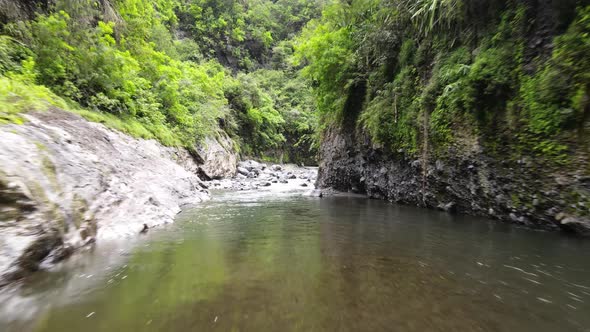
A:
(286, 262)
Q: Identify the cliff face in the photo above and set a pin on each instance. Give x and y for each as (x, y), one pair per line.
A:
(66, 182)
(495, 123)
(468, 180)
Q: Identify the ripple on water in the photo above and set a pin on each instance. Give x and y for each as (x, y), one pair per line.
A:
(268, 261)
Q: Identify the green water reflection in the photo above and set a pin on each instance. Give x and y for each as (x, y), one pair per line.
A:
(338, 264)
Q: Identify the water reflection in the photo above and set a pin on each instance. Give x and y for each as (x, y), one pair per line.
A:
(254, 262)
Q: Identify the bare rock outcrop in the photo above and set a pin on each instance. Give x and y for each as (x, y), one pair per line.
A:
(66, 182)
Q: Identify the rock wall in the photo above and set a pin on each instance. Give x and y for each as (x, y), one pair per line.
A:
(66, 182)
(467, 181)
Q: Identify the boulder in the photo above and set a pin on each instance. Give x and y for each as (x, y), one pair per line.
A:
(251, 165)
(578, 225)
(243, 171)
(217, 157)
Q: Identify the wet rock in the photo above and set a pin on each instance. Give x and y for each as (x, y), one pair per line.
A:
(62, 253)
(303, 184)
(243, 171)
(578, 225)
(516, 192)
(265, 184)
(31, 258)
(448, 207)
(65, 178)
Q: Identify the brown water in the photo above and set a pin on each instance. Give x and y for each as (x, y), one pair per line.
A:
(285, 262)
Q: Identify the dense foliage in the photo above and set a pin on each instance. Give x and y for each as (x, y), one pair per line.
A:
(436, 73)
(508, 76)
(154, 69)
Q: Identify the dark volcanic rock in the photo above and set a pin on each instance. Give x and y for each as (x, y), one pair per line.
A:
(579, 226)
(465, 181)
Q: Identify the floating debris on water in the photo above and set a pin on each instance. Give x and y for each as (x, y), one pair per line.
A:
(90, 314)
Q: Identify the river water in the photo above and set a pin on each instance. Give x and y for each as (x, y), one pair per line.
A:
(284, 261)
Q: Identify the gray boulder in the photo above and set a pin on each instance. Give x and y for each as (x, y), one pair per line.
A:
(217, 157)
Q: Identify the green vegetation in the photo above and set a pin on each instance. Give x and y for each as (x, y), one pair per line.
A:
(452, 72)
(173, 70)
(418, 76)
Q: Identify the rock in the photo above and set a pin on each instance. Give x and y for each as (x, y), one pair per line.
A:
(502, 189)
(69, 176)
(218, 157)
(62, 253)
(265, 184)
(439, 165)
(448, 207)
(303, 184)
(291, 176)
(243, 171)
(251, 165)
(276, 168)
(577, 225)
(560, 216)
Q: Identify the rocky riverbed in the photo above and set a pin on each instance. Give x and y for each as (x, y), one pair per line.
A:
(252, 175)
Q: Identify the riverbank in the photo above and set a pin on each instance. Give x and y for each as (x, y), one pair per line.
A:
(466, 180)
(66, 183)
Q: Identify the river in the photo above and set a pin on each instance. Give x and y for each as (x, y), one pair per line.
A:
(284, 261)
